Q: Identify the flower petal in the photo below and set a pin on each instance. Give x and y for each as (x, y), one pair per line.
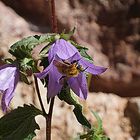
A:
(44, 73)
(53, 86)
(79, 85)
(7, 74)
(63, 49)
(6, 98)
(9, 77)
(91, 68)
(75, 57)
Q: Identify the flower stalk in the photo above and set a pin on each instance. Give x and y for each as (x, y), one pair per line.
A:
(48, 116)
(39, 96)
(53, 17)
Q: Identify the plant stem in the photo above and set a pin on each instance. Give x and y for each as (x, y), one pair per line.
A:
(39, 96)
(54, 30)
(48, 120)
(53, 16)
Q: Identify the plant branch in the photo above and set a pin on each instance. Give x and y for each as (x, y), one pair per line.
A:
(48, 120)
(54, 30)
(39, 96)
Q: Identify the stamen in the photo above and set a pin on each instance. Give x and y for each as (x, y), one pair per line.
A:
(85, 69)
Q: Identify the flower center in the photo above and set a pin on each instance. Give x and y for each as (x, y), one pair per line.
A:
(68, 69)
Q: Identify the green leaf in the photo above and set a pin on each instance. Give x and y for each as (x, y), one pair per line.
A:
(80, 117)
(19, 124)
(30, 136)
(82, 50)
(28, 64)
(95, 133)
(85, 55)
(67, 36)
(99, 121)
(23, 48)
(71, 100)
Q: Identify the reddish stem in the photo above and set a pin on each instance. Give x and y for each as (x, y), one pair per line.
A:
(53, 17)
(54, 30)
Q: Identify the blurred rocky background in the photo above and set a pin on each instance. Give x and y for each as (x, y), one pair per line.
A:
(111, 31)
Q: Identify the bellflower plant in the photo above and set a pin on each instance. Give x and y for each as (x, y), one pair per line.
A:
(65, 66)
(9, 77)
(63, 51)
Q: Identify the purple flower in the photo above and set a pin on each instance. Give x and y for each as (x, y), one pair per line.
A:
(62, 55)
(9, 77)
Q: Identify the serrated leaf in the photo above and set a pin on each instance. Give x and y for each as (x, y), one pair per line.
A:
(19, 124)
(69, 98)
(23, 48)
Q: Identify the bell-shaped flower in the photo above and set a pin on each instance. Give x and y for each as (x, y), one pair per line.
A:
(66, 63)
(9, 77)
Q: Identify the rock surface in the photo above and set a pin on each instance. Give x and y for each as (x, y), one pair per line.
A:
(113, 47)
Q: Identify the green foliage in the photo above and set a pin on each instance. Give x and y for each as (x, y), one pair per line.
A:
(19, 124)
(30, 136)
(70, 99)
(22, 49)
(95, 133)
(67, 36)
(28, 64)
(83, 50)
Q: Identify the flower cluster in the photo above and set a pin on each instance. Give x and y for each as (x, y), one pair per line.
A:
(66, 66)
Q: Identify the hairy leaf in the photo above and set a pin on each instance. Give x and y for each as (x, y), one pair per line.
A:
(23, 48)
(19, 124)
